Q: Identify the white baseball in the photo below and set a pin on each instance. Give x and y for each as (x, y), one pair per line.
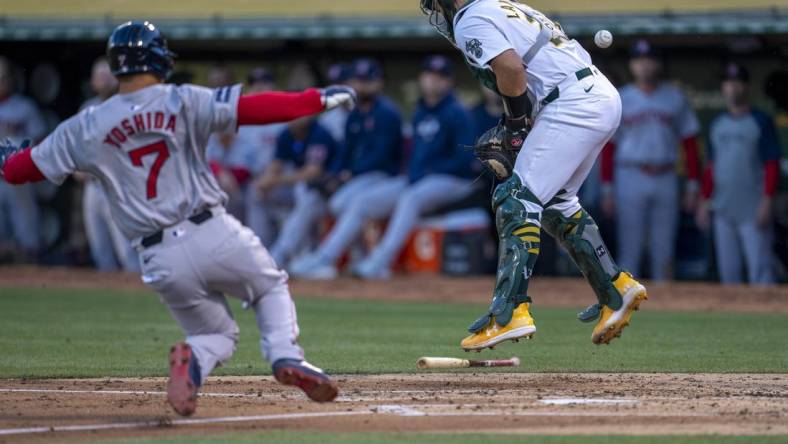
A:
(603, 38)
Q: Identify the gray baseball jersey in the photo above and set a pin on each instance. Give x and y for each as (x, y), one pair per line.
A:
(739, 146)
(148, 150)
(653, 125)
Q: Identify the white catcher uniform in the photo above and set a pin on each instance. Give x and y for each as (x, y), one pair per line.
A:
(147, 148)
(576, 109)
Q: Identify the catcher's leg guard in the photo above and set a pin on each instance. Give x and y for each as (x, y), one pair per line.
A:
(580, 236)
(618, 294)
(518, 232)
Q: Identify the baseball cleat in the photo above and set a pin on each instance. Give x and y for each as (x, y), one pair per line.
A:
(316, 384)
(521, 326)
(612, 322)
(181, 390)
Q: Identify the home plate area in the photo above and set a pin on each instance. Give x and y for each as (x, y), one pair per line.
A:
(564, 403)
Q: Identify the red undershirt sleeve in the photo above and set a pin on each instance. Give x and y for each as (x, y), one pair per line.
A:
(20, 169)
(606, 163)
(707, 184)
(242, 175)
(771, 177)
(215, 168)
(271, 107)
(693, 160)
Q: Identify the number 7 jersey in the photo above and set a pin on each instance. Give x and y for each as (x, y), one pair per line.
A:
(147, 148)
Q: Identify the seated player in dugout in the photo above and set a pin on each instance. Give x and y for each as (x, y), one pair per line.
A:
(146, 145)
(303, 152)
(560, 110)
(370, 156)
(440, 170)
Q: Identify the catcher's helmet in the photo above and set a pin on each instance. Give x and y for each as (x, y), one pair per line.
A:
(441, 15)
(136, 47)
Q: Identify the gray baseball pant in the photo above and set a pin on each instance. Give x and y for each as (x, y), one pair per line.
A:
(743, 243)
(648, 211)
(196, 265)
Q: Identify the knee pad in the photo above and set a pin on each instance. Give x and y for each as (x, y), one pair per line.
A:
(580, 236)
(518, 249)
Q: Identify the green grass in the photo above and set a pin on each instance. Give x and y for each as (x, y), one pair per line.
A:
(81, 333)
(295, 437)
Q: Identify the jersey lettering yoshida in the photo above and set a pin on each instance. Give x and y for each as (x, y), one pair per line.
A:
(147, 148)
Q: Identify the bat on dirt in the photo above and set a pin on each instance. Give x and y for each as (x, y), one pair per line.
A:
(429, 362)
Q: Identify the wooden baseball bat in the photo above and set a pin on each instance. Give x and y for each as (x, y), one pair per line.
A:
(427, 362)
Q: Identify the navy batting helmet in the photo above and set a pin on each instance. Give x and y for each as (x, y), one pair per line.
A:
(137, 47)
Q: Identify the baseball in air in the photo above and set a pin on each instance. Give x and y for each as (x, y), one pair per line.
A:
(603, 38)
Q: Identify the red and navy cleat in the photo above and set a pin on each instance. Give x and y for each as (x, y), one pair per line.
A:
(316, 384)
(181, 390)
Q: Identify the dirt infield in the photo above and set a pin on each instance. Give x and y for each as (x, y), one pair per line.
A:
(548, 292)
(516, 403)
(736, 404)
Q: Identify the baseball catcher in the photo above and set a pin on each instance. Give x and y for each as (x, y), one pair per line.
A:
(559, 113)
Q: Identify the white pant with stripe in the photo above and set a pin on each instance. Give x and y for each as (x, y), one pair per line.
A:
(566, 139)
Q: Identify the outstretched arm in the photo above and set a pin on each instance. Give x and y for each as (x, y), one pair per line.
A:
(16, 164)
(271, 107)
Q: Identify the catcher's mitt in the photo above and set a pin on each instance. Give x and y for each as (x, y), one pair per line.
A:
(493, 153)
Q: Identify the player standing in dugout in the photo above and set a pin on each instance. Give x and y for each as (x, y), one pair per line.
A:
(559, 113)
(146, 145)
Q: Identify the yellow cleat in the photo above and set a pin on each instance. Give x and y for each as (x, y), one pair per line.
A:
(612, 322)
(521, 326)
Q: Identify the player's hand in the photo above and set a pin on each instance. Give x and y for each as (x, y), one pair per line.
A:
(265, 184)
(703, 216)
(338, 95)
(765, 210)
(690, 200)
(8, 149)
(226, 140)
(326, 184)
(227, 182)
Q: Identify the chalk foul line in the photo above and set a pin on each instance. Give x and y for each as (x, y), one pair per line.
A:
(165, 422)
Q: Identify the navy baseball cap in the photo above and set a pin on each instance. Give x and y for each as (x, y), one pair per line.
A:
(261, 75)
(439, 65)
(643, 48)
(734, 71)
(366, 69)
(338, 73)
